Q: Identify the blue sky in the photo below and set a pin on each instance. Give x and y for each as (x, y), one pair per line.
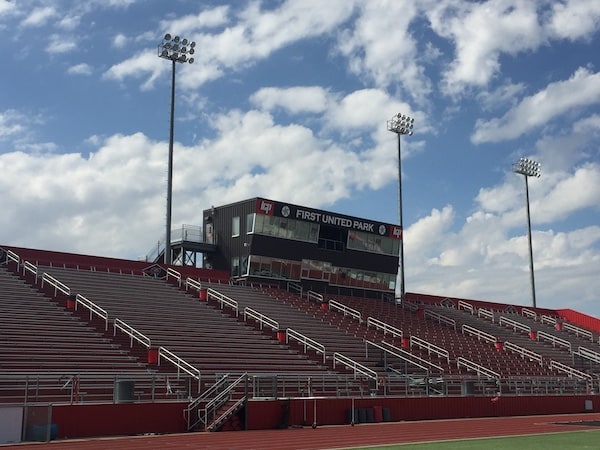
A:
(289, 100)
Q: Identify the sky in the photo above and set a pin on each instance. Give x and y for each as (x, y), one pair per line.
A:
(290, 100)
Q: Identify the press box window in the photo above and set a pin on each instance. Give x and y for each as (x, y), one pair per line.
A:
(235, 226)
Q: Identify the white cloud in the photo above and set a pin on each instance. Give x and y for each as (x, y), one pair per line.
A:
(582, 89)
(60, 44)
(39, 17)
(481, 33)
(11, 123)
(575, 19)
(311, 99)
(256, 35)
(80, 69)
(379, 47)
(6, 7)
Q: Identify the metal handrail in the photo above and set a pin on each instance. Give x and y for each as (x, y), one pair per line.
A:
(481, 370)
(395, 351)
(304, 340)
(570, 371)
(578, 331)
(13, 256)
(413, 357)
(346, 310)
(524, 352)
(486, 314)
(553, 339)
(356, 367)
(260, 318)
(175, 274)
(385, 327)
(466, 306)
(58, 286)
(487, 337)
(179, 362)
(514, 324)
(92, 307)
(589, 354)
(431, 348)
(224, 300)
(132, 333)
(441, 319)
(314, 296)
(190, 282)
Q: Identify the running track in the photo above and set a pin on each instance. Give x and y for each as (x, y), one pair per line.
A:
(333, 437)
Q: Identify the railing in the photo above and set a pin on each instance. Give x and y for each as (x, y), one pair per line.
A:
(181, 364)
(431, 348)
(589, 354)
(514, 324)
(91, 386)
(384, 327)
(132, 333)
(92, 308)
(553, 339)
(570, 371)
(405, 356)
(224, 300)
(480, 370)
(13, 257)
(175, 274)
(466, 306)
(356, 367)
(523, 352)
(486, 314)
(529, 313)
(31, 268)
(346, 310)
(545, 319)
(414, 357)
(190, 282)
(441, 319)
(211, 409)
(481, 335)
(578, 331)
(314, 296)
(205, 396)
(57, 285)
(305, 341)
(260, 318)
(293, 287)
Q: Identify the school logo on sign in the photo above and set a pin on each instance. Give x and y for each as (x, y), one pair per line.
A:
(265, 207)
(396, 232)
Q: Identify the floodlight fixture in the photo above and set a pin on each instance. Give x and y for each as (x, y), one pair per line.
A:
(171, 49)
(529, 168)
(401, 124)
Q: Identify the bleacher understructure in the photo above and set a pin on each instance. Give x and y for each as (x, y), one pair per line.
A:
(77, 331)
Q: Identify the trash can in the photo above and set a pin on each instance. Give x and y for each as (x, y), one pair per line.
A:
(124, 391)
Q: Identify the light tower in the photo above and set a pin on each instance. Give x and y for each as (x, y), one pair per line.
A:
(401, 124)
(528, 168)
(177, 50)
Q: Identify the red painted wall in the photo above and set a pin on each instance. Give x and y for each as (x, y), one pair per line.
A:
(580, 319)
(77, 421)
(268, 414)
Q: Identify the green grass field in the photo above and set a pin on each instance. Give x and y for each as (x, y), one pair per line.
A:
(563, 441)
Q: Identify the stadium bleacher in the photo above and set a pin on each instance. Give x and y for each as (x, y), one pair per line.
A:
(73, 327)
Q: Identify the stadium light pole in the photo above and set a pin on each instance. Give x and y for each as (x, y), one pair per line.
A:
(401, 124)
(177, 50)
(528, 168)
